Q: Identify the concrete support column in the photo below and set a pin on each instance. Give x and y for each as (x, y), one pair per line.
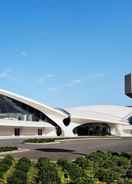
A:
(69, 130)
(117, 130)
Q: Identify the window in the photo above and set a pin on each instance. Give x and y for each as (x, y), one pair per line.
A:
(13, 109)
(95, 129)
(130, 120)
(40, 131)
(17, 131)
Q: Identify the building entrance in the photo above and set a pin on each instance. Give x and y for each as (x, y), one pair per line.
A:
(93, 129)
(17, 131)
(40, 131)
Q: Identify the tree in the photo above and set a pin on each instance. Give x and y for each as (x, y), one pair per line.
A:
(48, 173)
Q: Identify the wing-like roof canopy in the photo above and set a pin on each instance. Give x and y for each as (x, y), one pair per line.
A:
(108, 113)
(37, 105)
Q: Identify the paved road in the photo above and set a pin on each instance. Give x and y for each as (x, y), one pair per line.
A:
(70, 149)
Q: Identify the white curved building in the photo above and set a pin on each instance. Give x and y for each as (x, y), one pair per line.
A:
(23, 117)
(102, 120)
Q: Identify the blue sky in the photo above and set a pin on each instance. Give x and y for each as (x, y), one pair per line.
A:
(66, 52)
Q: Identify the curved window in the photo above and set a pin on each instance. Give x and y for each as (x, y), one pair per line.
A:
(95, 129)
(15, 110)
(130, 120)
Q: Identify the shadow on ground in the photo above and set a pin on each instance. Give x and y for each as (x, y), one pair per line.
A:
(58, 150)
(55, 150)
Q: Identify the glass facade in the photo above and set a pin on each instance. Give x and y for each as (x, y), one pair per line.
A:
(130, 120)
(12, 109)
(95, 129)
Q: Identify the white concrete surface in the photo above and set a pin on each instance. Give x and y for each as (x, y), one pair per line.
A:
(114, 116)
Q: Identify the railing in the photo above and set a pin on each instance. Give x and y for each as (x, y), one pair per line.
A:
(16, 116)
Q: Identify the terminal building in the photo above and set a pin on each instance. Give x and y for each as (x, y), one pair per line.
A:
(23, 117)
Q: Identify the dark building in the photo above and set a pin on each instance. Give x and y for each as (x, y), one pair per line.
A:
(128, 85)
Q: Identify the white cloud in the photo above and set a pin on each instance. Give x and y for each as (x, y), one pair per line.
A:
(95, 75)
(7, 74)
(50, 76)
(43, 79)
(40, 80)
(52, 89)
(73, 83)
(89, 77)
(3, 75)
(77, 81)
(21, 53)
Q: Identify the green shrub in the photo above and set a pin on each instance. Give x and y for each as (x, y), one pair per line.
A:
(37, 140)
(48, 172)
(5, 165)
(105, 167)
(20, 174)
(8, 148)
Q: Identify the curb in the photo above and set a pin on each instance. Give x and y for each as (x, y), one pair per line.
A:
(19, 150)
(47, 143)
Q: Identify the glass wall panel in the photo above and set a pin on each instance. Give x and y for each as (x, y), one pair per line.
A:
(130, 120)
(12, 109)
(95, 129)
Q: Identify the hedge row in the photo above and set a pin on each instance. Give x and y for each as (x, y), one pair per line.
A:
(41, 140)
(8, 148)
(96, 168)
(20, 174)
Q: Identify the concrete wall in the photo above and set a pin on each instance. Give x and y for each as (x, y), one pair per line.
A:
(9, 131)
(28, 131)
(49, 132)
(6, 131)
(117, 130)
(34, 132)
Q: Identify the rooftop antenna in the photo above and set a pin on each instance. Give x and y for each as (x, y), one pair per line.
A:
(128, 85)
